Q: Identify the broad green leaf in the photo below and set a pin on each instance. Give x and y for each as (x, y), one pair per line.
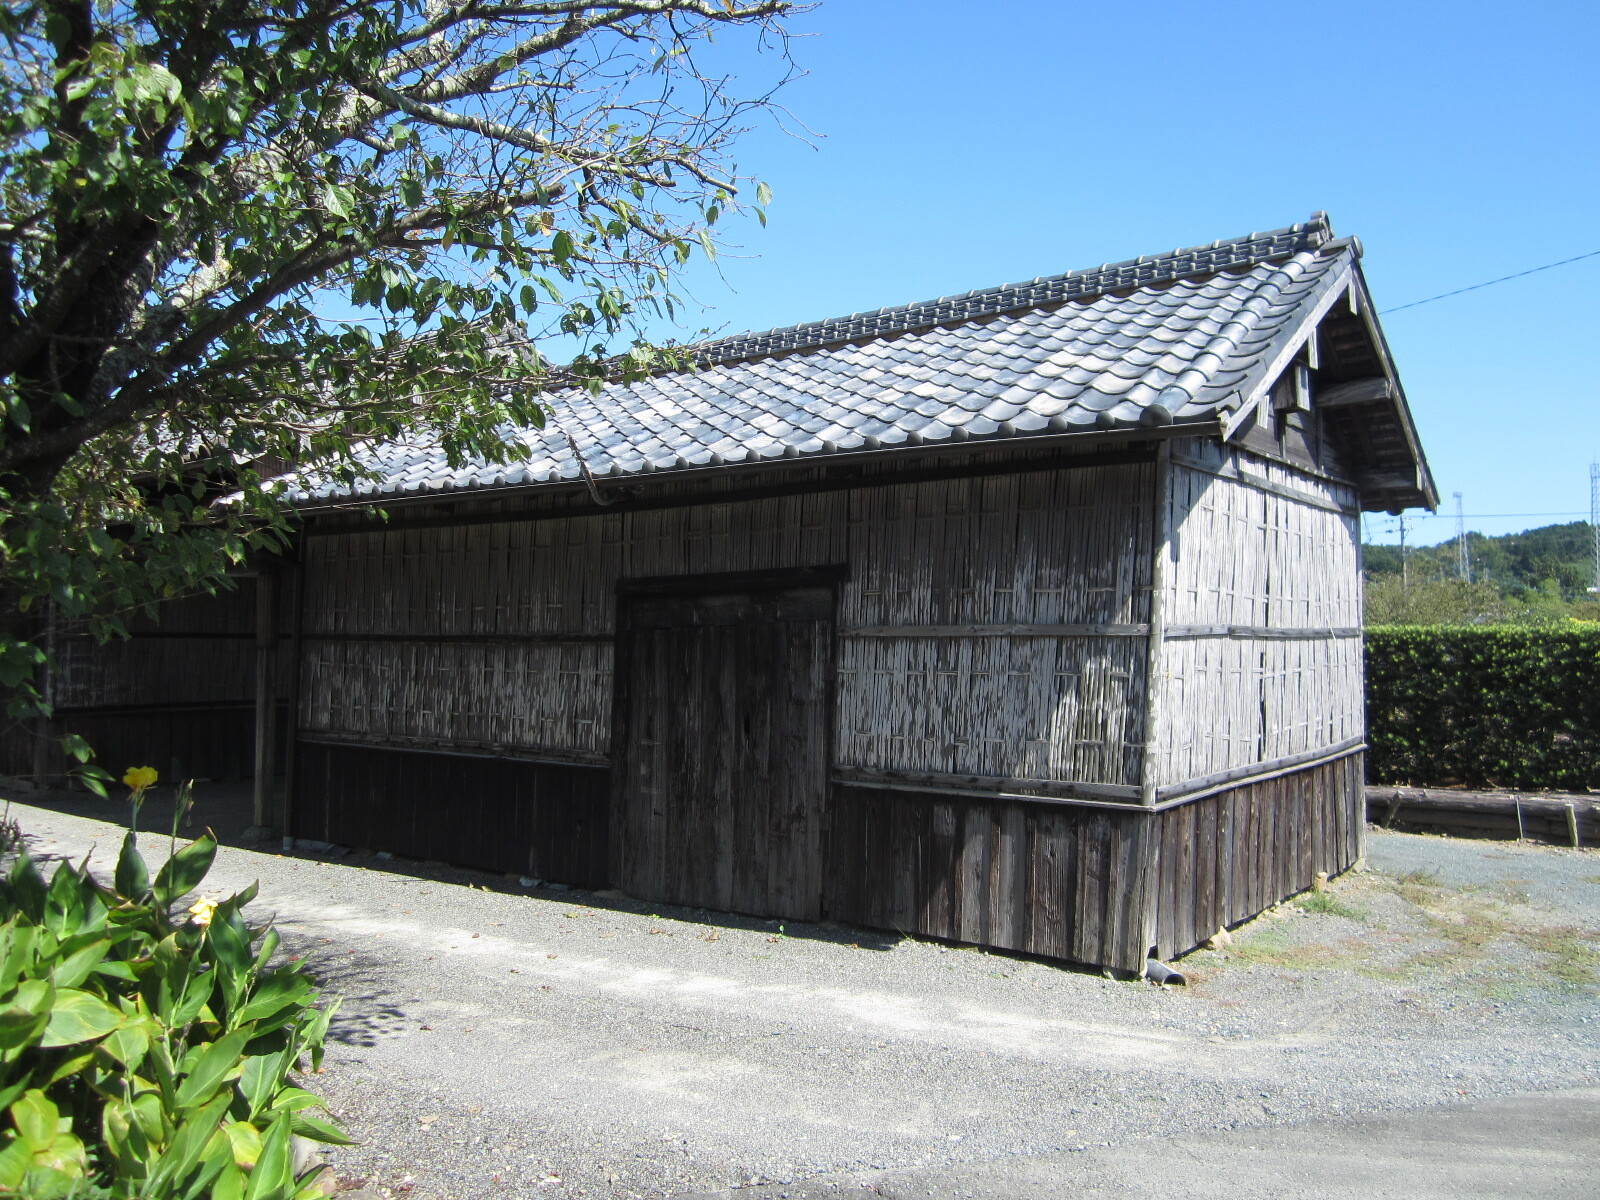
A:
(263, 1073)
(182, 873)
(230, 1184)
(293, 1099)
(78, 1016)
(20, 1026)
(77, 966)
(276, 995)
(15, 1160)
(65, 902)
(245, 1140)
(71, 1066)
(35, 1118)
(129, 1043)
(28, 886)
(219, 1060)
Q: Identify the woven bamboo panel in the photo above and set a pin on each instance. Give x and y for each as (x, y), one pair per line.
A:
(1037, 708)
(518, 695)
(1250, 558)
(1049, 547)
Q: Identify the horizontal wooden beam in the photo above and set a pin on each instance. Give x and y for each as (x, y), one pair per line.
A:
(1251, 633)
(1356, 391)
(988, 785)
(1194, 789)
(1389, 481)
(958, 631)
(1236, 632)
(1129, 447)
(471, 639)
(1093, 795)
(1262, 484)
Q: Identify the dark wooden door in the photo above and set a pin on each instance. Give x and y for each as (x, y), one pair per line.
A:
(721, 748)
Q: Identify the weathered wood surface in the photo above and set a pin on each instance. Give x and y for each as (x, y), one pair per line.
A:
(1088, 885)
(1563, 818)
(545, 820)
(1060, 882)
(720, 776)
(1224, 858)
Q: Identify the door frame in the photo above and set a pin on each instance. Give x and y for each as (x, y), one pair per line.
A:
(710, 583)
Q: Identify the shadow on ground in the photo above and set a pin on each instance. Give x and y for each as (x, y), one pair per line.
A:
(226, 808)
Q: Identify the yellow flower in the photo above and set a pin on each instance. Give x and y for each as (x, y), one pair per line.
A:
(139, 778)
(200, 911)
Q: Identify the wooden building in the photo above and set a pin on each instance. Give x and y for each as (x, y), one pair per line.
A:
(1029, 617)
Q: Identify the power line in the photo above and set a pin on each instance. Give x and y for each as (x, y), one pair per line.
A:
(1482, 516)
(1490, 282)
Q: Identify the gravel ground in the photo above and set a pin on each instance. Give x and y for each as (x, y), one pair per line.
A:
(501, 1041)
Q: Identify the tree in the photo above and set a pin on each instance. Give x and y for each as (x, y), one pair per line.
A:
(239, 232)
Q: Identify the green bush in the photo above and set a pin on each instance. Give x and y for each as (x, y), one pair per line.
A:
(1495, 706)
(143, 1056)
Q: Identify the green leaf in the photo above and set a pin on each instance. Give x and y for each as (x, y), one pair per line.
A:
(73, 969)
(273, 1176)
(15, 1160)
(275, 994)
(188, 1143)
(129, 1043)
(28, 887)
(183, 872)
(132, 876)
(79, 1017)
(340, 201)
(216, 1064)
(35, 1118)
(319, 1130)
(263, 1074)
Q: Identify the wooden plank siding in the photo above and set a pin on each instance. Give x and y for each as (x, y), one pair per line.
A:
(1225, 857)
(1094, 886)
(545, 820)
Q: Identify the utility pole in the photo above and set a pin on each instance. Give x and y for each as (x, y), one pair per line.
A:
(1594, 520)
(1463, 555)
(1403, 523)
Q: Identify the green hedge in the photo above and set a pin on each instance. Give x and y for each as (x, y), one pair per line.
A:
(1484, 706)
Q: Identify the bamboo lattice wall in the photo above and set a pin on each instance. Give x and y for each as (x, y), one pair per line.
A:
(199, 650)
(992, 626)
(1261, 651)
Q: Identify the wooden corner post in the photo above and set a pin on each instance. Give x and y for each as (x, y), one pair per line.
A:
(1150, 766)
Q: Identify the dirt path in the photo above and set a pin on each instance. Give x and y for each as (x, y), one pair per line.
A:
(559, 1044)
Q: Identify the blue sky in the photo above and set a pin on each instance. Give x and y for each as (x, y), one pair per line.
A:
(964, 143)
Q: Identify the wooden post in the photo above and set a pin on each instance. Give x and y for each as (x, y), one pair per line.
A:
(1151, 765)
(266, 699)
(292, 710)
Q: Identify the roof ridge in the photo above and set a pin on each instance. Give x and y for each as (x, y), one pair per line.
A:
(1249, 250)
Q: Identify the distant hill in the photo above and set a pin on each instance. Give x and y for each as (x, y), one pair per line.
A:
(1517, 563)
